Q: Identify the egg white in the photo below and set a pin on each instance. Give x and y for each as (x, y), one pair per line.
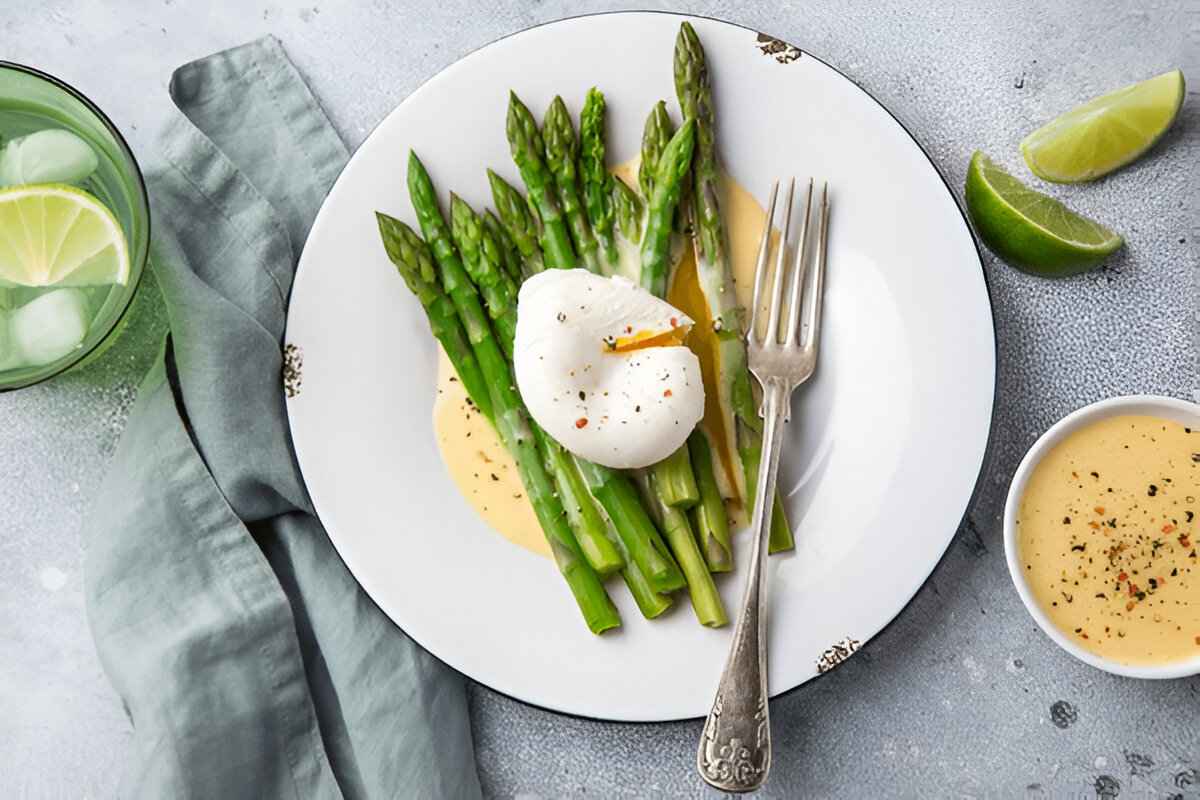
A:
(622, 409)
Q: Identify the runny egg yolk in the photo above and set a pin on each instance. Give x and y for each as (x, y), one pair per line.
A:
(644, 338)
(685, 294)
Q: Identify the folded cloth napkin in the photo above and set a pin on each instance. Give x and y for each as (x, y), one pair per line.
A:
(250, 662)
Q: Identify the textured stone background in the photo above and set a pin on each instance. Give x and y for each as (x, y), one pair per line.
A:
(962, 696)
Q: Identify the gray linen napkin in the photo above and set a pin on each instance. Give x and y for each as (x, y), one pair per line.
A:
(250, 662)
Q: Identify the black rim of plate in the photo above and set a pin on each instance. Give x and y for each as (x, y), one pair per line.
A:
(985, 461)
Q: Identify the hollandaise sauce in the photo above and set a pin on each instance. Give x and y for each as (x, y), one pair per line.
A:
(1107, 537)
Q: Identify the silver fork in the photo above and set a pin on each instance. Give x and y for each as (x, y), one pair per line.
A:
(735, 748)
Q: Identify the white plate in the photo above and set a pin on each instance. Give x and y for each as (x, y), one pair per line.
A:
(886, 441)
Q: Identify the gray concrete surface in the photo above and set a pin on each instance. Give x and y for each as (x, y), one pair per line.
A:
(955, 698)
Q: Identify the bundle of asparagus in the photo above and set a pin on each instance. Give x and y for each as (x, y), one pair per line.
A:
(466, 273)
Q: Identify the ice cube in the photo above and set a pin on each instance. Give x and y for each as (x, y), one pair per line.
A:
(10, 358)
(49, 327)
(50, 156)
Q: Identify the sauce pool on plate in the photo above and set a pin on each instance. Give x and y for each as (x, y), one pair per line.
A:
(1107, 539)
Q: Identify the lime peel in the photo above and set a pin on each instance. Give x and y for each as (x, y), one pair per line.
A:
(1030, 230)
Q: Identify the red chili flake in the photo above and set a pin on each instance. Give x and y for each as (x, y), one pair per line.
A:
(1168, 528)
(674, 322)
(581, 422)
(1133, 588)
(1129, 606)
(1099, 509)
(667, 393)
(1123, 576)
(1094, 525)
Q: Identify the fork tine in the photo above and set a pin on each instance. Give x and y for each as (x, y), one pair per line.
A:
(812, 311)
(798, 272)
(773, 313)
(760, 264)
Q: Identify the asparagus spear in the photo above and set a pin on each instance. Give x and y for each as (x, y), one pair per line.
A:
(415, 264)
(674, 476)
(562, 159)
(706, 601)
(694, 89)
(711, 524)
(628, 210)
(655, 136)
(669, 173)
(511, 419)
(482, 258)
(527, 150)
(518, 221)
(597, 192)
(508, 250)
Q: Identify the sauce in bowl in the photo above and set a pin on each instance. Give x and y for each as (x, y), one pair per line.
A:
(1107, 538)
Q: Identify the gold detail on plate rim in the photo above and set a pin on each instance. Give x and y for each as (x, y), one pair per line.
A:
(782, 52)
(293, 365)
(838, 653)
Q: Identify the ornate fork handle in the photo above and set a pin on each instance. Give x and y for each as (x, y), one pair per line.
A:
(735, 750)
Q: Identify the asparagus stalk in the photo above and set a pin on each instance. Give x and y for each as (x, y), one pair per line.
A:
(562, 159)
(527, 151)
(481, 255)
(711, 524)
(694, 89)
(518, 221)
(593, 169)
(415, 264)
(511, 419)
(585, 518)
(706, 601)
(649, 601)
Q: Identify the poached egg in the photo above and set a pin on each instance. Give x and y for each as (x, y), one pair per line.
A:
(601, 365)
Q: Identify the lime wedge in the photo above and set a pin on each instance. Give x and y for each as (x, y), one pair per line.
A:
(56, 235)
(1030, 230)
(1106, 133)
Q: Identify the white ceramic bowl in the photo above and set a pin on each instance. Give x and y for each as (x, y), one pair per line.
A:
(1142, 404)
